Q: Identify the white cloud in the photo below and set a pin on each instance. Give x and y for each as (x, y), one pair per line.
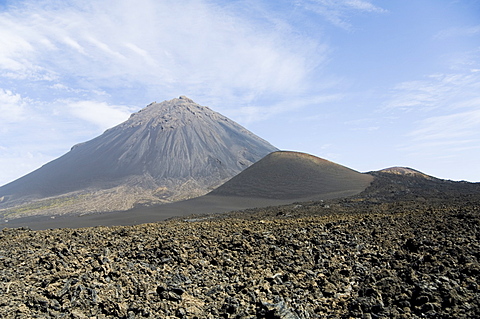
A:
(101, 114)
(12, 107)
(197, 47)
(12, 45)
(202, 49)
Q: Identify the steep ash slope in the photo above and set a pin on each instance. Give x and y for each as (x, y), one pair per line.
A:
(168, 151)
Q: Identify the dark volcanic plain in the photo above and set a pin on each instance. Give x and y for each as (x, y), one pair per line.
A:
(406, 247)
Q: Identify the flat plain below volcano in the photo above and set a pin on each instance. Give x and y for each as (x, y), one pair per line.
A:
(277, 179)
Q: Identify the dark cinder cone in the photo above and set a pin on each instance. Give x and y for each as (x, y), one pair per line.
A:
(166, 152)
(293, 175)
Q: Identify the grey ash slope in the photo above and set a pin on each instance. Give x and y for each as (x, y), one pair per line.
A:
(168, 151)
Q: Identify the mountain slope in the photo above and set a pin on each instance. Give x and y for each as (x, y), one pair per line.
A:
(293, 175)
(167, 151)
(279, 178)
(283, 178)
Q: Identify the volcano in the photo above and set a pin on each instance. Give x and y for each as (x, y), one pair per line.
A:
(166, 152)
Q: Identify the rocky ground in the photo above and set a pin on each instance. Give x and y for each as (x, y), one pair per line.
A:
(399, 250)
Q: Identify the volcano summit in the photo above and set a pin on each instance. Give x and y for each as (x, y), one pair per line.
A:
(166, 152)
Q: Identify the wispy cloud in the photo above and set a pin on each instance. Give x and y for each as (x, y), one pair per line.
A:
(457, 126)
(437, 91)
(338, 12)
(442, 112)
(466, 31)
(361, 5)
(255, 113)
(198, 47)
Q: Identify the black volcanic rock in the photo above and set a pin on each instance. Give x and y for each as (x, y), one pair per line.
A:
(294, 175)
(167, 151)
(351, 259)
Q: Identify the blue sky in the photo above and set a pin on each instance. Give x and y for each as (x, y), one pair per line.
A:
(366, 84)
